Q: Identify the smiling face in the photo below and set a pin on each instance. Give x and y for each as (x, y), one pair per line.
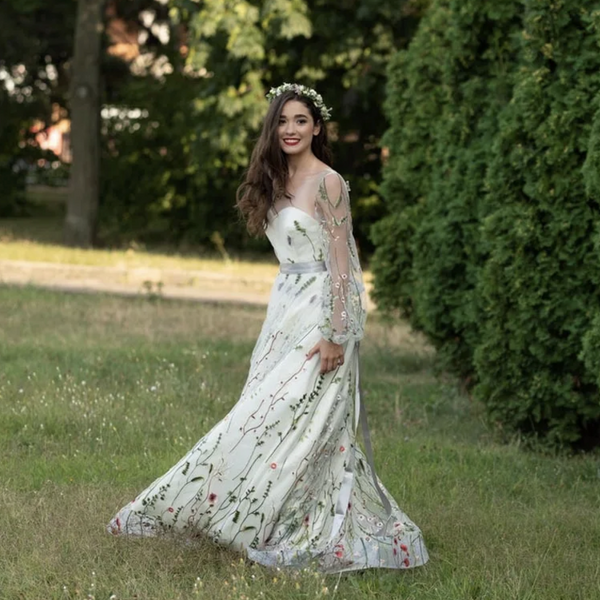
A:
(296, 128)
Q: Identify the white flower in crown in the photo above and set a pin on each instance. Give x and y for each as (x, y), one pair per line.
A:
(302, 90)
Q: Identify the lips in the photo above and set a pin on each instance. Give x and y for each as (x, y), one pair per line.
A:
(291, 141)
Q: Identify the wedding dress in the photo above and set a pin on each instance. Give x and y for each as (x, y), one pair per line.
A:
(281, 478)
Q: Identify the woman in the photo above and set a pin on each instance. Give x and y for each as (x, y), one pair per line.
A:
(281, 478)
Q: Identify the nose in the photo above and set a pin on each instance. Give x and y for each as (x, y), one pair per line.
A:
(290, 128)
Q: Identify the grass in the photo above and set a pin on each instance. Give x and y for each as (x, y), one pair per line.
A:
(98, 395)
(39, 238)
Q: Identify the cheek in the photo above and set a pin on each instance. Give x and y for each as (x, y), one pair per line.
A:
(307, 131)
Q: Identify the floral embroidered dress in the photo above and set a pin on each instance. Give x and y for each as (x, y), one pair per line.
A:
(281, 478)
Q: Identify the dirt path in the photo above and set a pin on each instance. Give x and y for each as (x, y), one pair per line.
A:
(203, 286)
(128, 281)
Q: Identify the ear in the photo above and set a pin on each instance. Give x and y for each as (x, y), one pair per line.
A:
(317, 128)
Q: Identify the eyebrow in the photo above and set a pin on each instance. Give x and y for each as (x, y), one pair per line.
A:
(295, 116)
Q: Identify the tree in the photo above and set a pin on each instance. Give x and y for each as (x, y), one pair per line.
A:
(82, 210)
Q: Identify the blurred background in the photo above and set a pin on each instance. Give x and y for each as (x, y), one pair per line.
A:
(153, 106)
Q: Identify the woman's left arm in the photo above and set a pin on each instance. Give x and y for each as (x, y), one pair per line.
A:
(343, 309)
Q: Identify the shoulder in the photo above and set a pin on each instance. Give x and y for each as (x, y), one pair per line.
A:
(334, 184)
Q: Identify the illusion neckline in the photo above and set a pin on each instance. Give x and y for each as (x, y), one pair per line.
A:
(277, 213)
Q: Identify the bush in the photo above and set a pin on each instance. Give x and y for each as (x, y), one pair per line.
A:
(493, 186)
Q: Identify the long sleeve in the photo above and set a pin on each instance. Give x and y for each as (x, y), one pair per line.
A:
(344, 307)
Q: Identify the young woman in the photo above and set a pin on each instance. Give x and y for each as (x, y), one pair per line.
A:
(281, 477)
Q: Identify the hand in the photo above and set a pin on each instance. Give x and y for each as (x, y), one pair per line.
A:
(332, 355)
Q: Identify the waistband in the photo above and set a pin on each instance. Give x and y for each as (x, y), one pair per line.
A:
(318, 266)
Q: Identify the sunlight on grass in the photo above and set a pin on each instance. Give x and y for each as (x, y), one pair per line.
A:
(11, 249)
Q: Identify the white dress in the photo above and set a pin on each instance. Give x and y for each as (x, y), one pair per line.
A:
(281, 477)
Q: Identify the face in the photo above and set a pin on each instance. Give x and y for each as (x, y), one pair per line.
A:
(296, 128)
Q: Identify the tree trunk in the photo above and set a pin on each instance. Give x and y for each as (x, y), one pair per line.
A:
(84, 96)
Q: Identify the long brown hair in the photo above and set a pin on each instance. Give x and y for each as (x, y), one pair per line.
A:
(265, 179)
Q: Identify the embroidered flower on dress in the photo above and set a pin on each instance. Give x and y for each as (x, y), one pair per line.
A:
(339, 550)
(171, 509)
(398, 526)
(212, 498)
(342, 449)
(273, 465)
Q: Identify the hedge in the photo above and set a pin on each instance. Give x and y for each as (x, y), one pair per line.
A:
(491, 245)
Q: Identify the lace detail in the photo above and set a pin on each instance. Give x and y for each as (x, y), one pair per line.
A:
(343, 308)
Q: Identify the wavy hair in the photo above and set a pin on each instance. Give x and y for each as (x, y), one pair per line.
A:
(265, 179)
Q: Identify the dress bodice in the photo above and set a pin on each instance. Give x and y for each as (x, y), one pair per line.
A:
(315, 224)
(294, 228)
(295, 236)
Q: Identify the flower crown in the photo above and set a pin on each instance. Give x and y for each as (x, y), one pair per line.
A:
(302, 90)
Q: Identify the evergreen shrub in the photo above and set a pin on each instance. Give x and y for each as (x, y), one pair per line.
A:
(492, 187)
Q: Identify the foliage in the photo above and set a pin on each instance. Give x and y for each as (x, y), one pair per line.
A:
(35, 43)
(12, 182)
(491, 110)
(213, 71)
(235, 52)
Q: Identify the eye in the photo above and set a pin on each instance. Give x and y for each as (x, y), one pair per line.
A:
(301, 121)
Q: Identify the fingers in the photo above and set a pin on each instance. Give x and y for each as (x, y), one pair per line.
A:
(331, 363)
(328, 362)
(312, 351)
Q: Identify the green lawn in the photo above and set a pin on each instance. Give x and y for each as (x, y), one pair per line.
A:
(98, 395)
(39, 237)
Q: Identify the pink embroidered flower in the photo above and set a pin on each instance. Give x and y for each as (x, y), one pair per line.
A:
(406, 562)
(212, 498)
(306, 520)
(349, 505)
(404, 547)
(118, 524)
(395, 551)
(171, 509)
(339, 550)
(342, 449)
(273, 465)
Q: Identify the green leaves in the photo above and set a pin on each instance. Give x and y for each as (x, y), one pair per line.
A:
(493, 192)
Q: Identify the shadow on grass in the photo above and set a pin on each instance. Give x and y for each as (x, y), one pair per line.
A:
(43, 221)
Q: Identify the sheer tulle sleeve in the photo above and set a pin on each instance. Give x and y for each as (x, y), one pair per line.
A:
(343, 310)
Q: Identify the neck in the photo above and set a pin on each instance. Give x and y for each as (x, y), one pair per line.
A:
(301, 162)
